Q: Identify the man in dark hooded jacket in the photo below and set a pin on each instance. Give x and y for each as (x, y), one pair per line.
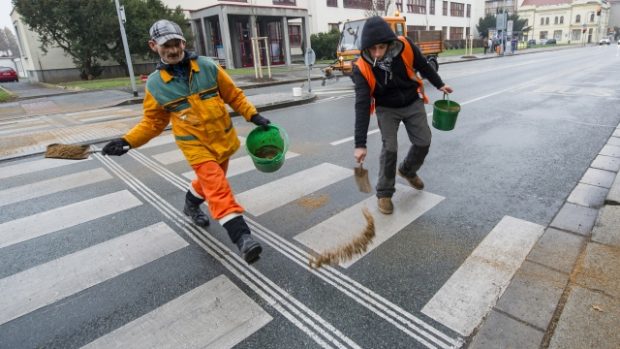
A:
(387, 72)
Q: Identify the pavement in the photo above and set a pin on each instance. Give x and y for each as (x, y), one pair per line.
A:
(565, 295)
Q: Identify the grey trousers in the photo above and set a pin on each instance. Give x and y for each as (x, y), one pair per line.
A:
(414, 118)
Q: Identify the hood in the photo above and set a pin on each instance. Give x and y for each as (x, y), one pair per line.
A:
(376, 30)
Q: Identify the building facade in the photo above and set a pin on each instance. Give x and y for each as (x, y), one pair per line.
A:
(238, 32)
(566, 21)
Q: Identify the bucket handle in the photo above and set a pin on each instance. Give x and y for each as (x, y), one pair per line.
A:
(447, 97)
(284, 136)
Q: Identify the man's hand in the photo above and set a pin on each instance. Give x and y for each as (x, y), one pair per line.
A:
(116, 147)
(360, 154)
(261, 121)
(446, 89)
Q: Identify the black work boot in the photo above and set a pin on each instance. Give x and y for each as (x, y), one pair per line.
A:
(192, 209)
(239, 234)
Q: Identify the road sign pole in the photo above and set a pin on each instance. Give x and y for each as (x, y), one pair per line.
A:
(120, 11)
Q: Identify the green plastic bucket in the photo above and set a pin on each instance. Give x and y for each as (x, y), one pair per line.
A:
(267, 147)
(445, 112)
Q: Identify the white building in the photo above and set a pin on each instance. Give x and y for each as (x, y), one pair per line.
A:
(566, 21)
(224, 29)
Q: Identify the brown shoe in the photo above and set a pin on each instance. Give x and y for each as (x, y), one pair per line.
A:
(415, 181)
(385, 205)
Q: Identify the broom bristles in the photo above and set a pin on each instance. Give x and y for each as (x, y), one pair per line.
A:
(67, 151)
(344, 253)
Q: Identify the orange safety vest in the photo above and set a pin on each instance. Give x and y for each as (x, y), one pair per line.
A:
(407, 56)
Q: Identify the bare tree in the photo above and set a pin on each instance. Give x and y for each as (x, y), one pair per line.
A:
(11, 42)
(378, 8)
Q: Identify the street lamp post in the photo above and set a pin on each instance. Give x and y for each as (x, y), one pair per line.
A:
(121, 20)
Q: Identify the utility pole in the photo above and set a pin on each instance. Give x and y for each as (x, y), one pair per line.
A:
(120, 11)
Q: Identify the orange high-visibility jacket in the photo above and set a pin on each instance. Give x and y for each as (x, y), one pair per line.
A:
(408, 59)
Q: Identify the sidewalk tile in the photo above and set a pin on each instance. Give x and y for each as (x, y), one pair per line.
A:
(533, 294)
(613, 197)
(575, 218)
(607, 163)
(611, 150)
(607, 228)
(557, 249)
(588, 195)
(599, 178)
(614, 141)
(501, 331)
(589, 320)
(616, 132)
(600, 270)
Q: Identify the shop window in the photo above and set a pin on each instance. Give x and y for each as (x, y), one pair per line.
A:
(456, 33)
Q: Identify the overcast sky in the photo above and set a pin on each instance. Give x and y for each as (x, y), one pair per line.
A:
(5, 19)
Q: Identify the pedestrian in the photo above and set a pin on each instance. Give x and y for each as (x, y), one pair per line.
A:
(190, 92)
(485, 45)
(385, 76)
(490, 44)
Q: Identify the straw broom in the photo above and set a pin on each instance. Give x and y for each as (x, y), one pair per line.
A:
(346, 252)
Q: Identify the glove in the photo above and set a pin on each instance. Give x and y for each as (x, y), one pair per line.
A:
(261, 121)
(116, 147)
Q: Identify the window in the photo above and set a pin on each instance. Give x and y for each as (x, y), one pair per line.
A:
(547, 21)
(432, 27)
(577, 18)
(399, 5)
(542, 20)
(400, 29)
(543, 35)
(332, 3)
(561, 19)
(557, 35)
(456, 33)
(294, 35)
(467, 31)
(556, 20)
(412, 28)
(444, 8)
(284, 2)
(457, 9)
(416, 6)
(468, 10)
(444, 32)
(333, 26)
(358, 4)
(592, 17)
(431, 10)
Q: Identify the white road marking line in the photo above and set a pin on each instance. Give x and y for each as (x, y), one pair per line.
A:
(45, 284)
(273, 194)
(189, 320)
(23, 168)
(52, 185)
(319, 330)
(238, 166)
(94, 111)
(349, 139)
(474, 288)
(409, 204)
(47, 222)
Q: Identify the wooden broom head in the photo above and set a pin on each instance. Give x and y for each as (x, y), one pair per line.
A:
(67, 151)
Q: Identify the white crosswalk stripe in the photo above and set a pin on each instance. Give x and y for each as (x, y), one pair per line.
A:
(409, 204)
(188, 321)
(47, 222)
(45, 284)
(272, 195)
(52, 185)
(33, 166)
(238, 166)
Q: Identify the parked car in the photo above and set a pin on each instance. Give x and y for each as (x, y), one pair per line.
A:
(531, 42)
(604, 41)
(551, 42)
(8, 74)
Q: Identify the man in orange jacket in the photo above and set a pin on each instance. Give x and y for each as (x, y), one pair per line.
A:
(190, 92)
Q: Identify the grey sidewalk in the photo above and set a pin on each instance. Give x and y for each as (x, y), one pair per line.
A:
(567, 292)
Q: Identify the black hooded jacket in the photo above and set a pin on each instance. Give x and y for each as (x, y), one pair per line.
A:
(395, 91)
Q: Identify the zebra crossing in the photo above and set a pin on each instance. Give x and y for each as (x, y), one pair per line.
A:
(220, 298)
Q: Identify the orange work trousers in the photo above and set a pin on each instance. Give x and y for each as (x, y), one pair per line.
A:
(212, 185)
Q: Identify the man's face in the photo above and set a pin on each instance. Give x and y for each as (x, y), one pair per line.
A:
(378, 51)
(171, 52)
